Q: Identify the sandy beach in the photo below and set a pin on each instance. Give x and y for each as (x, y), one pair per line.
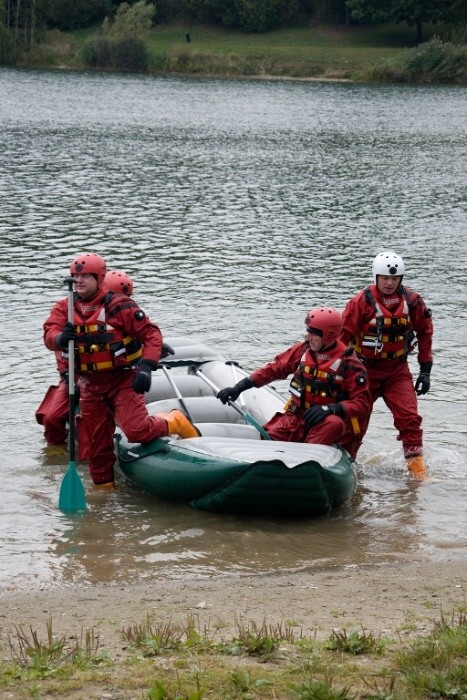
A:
(388, 599)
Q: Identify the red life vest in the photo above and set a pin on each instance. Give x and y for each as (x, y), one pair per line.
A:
(99, 346)
(388, 334)
(321, 384)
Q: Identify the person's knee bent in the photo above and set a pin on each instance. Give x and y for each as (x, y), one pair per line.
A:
(151, 429)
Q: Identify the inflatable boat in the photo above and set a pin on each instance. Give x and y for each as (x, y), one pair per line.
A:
(233, 466)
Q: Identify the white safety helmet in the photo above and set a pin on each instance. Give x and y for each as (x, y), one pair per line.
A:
(388, 263)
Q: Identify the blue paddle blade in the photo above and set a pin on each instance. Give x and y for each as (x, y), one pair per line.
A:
(72, 496)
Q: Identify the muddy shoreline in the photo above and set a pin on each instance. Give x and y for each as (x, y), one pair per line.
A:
(384, 599)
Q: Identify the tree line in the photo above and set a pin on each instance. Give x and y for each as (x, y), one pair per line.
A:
(22, 21)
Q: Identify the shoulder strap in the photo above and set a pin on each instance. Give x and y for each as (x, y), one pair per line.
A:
(409, 295)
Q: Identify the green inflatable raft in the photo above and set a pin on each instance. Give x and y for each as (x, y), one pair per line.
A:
(231, 467)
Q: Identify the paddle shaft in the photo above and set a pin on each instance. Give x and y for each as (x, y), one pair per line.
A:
(72, 497)
(235, 406)
(177, 391)
(71, 377)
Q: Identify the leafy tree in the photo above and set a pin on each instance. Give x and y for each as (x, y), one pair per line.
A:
(208, 11)
(418, 12)
(414, 12)
(131, 21)
(334, 11)
(258, 15)
(369, 11)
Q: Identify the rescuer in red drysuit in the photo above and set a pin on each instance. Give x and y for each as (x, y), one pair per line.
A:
(119, 282)
(383, 323)
(53, 412)
(117, 346)
(328, 391)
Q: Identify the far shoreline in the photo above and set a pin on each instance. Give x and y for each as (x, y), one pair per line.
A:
(205, 76)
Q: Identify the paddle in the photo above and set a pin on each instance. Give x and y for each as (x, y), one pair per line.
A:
(249, 418)
(177, 392)
(72, 497)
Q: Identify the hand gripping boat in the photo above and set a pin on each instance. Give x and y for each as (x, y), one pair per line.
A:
(231, 467)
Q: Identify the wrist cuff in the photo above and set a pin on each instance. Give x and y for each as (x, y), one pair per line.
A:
(245, 384)
(337, 409)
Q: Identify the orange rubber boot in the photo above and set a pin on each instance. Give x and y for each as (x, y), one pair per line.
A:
(106, 486)
(417, 467)
(179, 424)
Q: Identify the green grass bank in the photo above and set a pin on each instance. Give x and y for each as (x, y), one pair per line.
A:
(384, 53)
(394, 631)
(166, 660)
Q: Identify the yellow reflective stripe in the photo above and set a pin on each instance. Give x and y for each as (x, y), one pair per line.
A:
(87, 350)
(135, 355)
(93, 328)
(388, 321)
(355, 425)
(392, 355)
(95, 367)
(386, 339)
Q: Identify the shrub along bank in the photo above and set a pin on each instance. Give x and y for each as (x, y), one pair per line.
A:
(381, 54)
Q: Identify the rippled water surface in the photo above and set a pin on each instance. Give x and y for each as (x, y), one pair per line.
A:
(235, 206)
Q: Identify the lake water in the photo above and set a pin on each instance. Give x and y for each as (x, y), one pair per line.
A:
(235, 207)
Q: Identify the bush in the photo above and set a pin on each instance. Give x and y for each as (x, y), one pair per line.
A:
(459, 35)
(129, 55)
(96, 53)
(119, 54)
(434, 61)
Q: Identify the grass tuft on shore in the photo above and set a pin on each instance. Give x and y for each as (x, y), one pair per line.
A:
(164, 660)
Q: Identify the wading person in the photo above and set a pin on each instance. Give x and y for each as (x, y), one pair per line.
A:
(117, 346)
(383, 323)
(328, 391)
(53, 412)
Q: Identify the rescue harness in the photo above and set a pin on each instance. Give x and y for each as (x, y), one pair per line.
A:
(101, 347)
(311, 386)
(388, 335)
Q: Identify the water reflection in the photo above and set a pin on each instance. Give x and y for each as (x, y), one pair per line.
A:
(235, 207)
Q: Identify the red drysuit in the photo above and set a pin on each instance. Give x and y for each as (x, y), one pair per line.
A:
(351, 392)
(53, 411)
(384, 350)
(107, 396)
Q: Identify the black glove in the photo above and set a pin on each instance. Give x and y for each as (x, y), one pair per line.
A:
(68, 333)
(422, 385)
(316, 414)
(142, 378)
(231, 393)
(167, 350)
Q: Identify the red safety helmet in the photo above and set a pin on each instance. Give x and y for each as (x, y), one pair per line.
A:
(118, 281)
(89, 264)
(326, 320)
